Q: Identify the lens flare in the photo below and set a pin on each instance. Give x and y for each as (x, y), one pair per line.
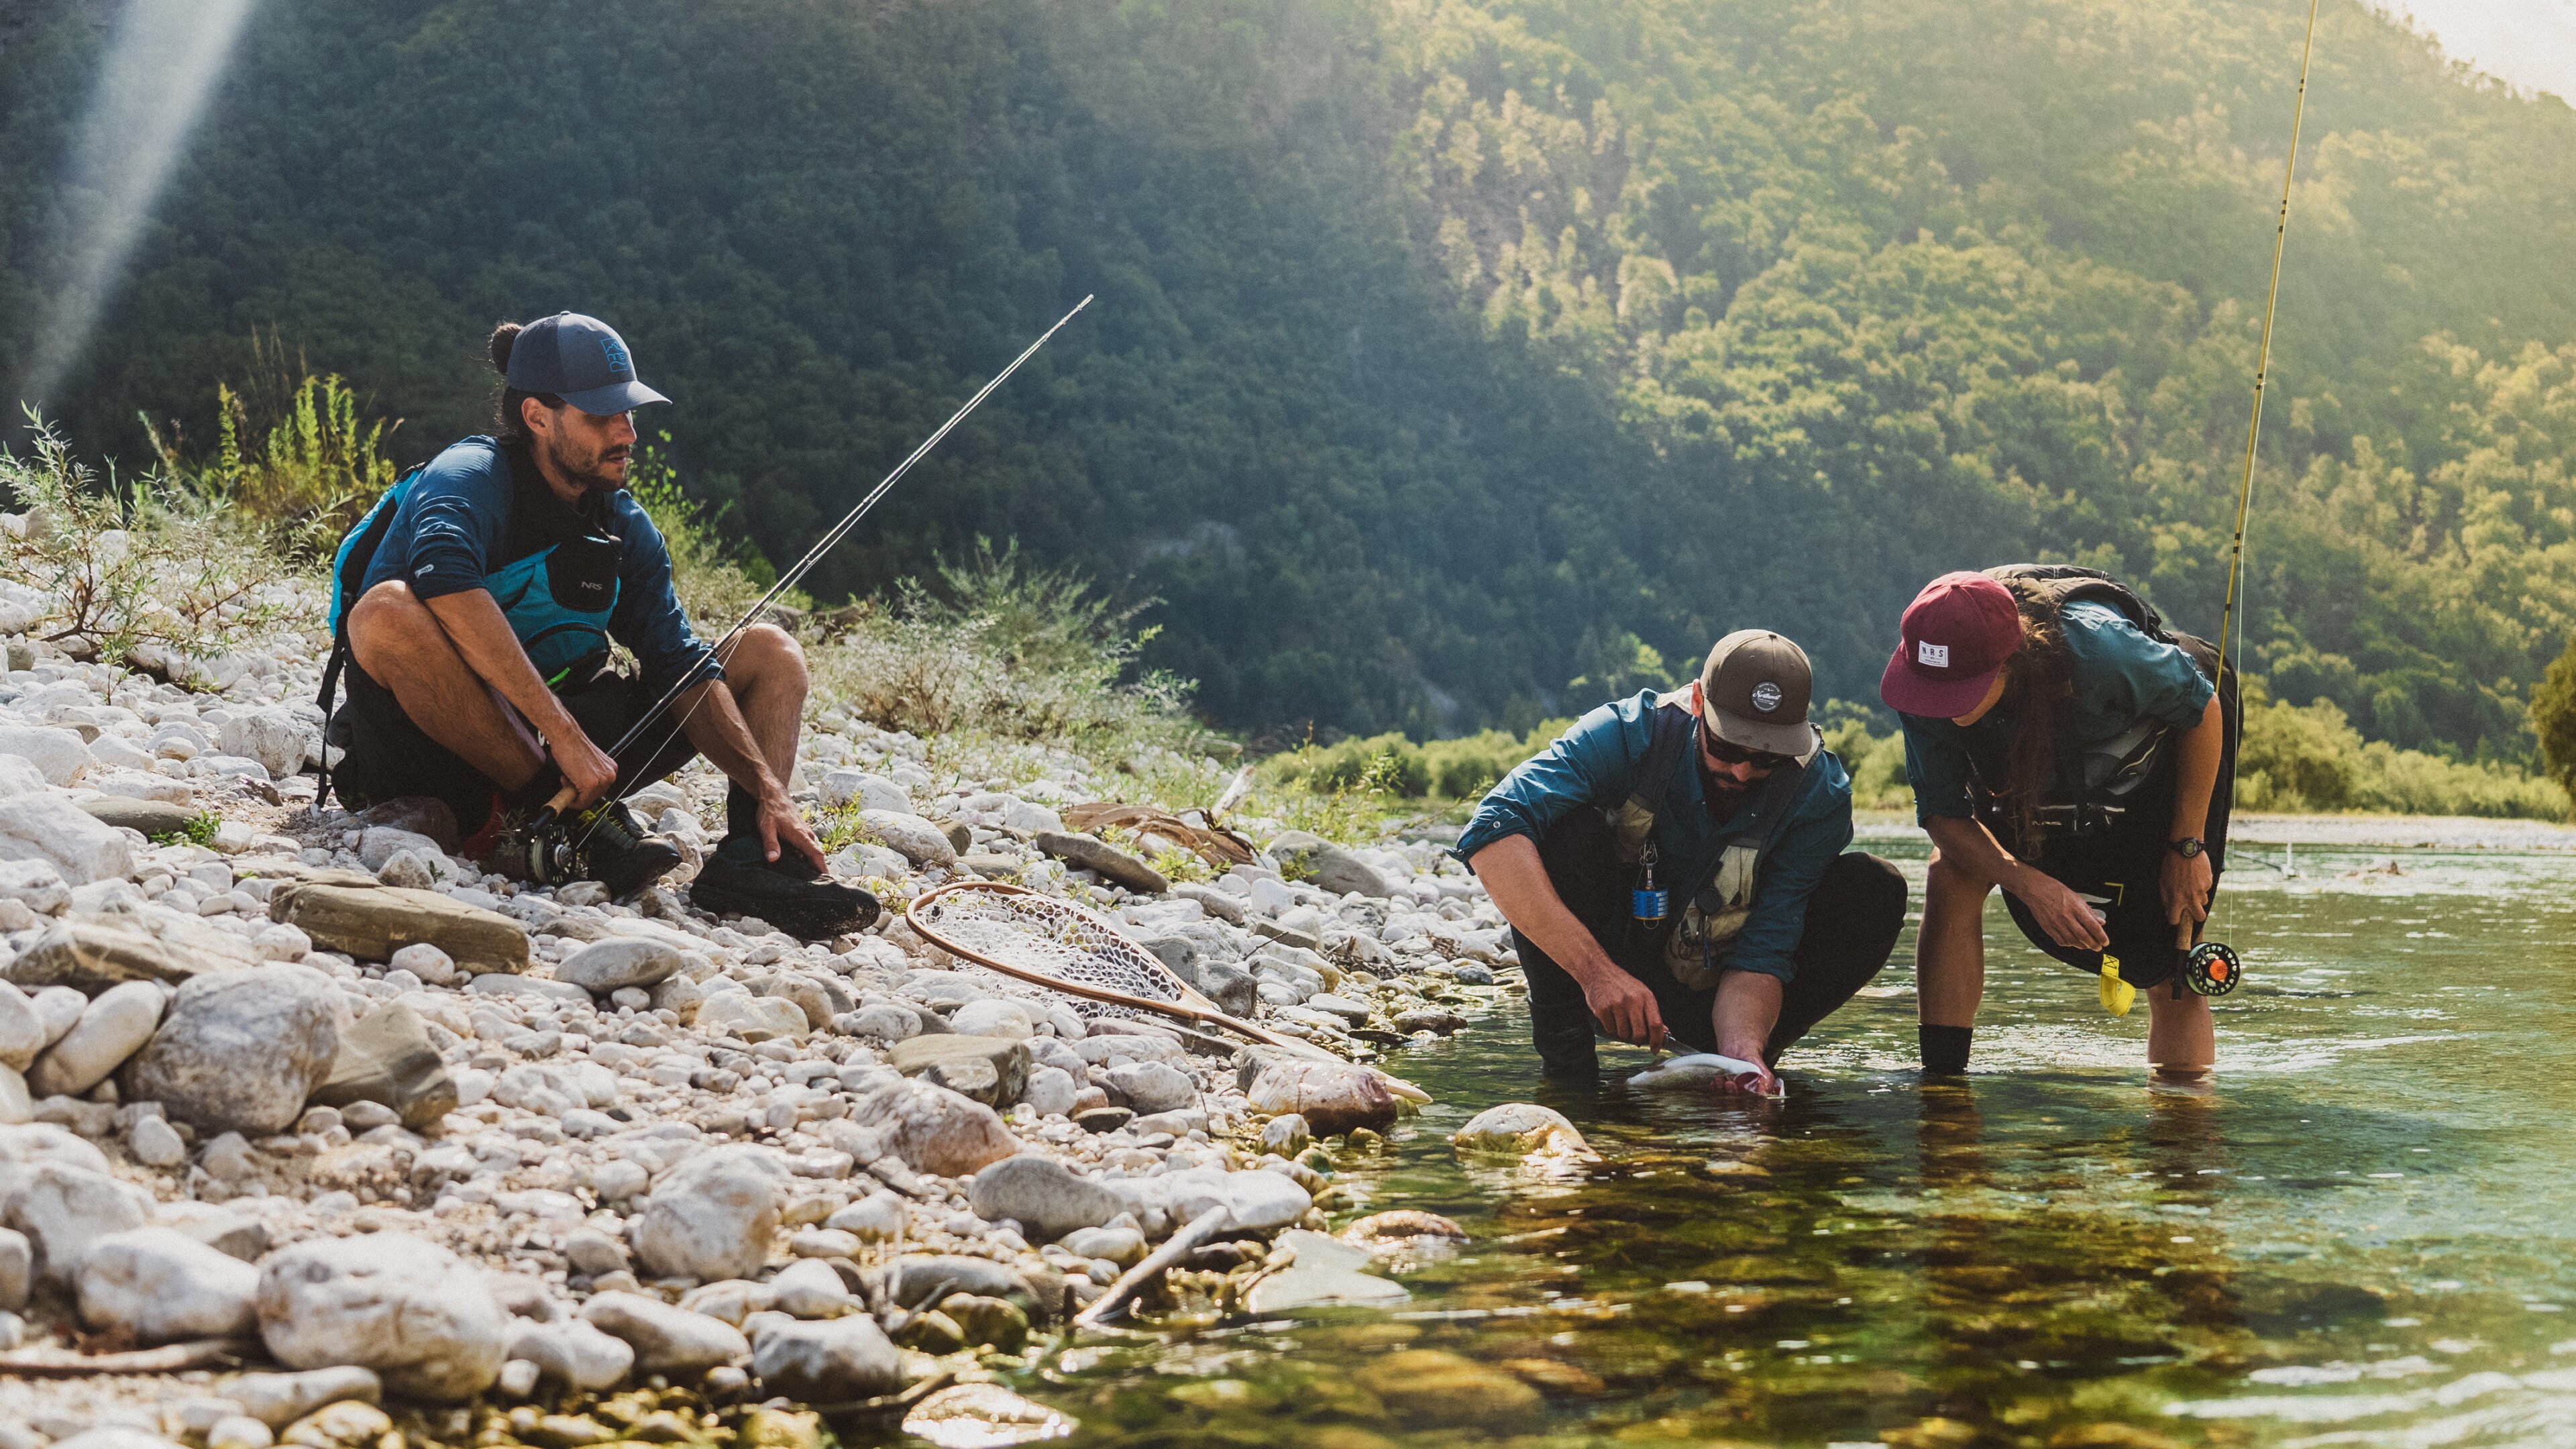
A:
(161, 66)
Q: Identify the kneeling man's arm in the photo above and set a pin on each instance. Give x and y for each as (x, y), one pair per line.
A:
(1517, 880)
(1765, 956)
(482, 635)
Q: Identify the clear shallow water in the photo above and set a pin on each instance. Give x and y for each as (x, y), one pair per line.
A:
(2362, 1235)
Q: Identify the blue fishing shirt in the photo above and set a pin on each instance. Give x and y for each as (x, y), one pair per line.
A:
(1594, 764)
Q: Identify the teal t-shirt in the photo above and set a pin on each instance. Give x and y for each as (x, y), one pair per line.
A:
(2121, 675)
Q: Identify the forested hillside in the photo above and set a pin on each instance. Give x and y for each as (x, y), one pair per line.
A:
(1454, 363)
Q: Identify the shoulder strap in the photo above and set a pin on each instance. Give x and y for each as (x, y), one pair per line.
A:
(1632, 822)
(2066, 584)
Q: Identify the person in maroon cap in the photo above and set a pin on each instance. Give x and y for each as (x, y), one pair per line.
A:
(2064, 746)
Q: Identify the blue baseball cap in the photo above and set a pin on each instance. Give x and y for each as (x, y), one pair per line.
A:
(581, 360)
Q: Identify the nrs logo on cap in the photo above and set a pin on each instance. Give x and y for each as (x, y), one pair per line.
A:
(1766, 696)
(1932, 656)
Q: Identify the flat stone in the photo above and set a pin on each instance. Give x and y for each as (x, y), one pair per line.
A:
(574, 1352)
(388, 1059)
(1433, 1386)
(755, 1019)
(917, 1278)
(1103, 1119)
(714, 1216)
(1325, 1273)
(416, 1314)
(920, 842)
(666, 1340)
(60, 755)
(1333, 1097)
(1123, 1246)
(935, 1130)
(152, 819)
(159, 1284)
(1104, 860)
(91, 958)
(827, 1361)
(50, 828)
(1152, 1087)
(240, 1051)
(373, 922)
(1259, 1201)
(64, 1210)
(992, 1070)
(115, 1026)
(1044, 1196)
(985, 1414)
(605, 966)
(278, 1400)
(1224, 905)
(1306, 856)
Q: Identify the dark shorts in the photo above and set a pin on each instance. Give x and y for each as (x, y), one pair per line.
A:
(2126, 864)
(390, 756)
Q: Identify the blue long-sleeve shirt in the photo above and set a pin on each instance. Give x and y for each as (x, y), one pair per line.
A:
(1595, 764)
(471, 512)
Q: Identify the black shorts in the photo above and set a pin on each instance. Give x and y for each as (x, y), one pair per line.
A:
(389, 756)
(2125, 864)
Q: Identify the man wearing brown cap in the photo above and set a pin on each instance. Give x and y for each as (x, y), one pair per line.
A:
(1674, 872)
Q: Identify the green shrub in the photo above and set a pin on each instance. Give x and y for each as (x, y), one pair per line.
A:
(2310, 758)
(2553, 718)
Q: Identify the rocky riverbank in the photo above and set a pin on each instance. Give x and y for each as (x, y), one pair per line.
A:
(340, 1136)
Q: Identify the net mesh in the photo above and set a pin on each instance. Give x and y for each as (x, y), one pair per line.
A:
(1045, 937)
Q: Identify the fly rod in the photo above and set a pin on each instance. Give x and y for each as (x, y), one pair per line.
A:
(546, 818)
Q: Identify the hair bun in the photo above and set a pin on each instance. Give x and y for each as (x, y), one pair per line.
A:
(502, 337)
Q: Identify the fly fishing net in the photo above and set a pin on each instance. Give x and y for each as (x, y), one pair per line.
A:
(1044, 942)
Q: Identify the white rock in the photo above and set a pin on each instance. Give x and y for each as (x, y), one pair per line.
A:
(36, 884)
(380, 843)
(23, 1029)
(666, 1340)
(160, 1284)
(1026, 815)
(934, 1129)
(618, 1180)
(115, 1436)
(811, 1288)
(875, 1217)
(19, 776)
(834, 1361)
(714, 1216)
(872, 792)
(753, 1018)
(241, 1051)
(155, 1143)
(115, 1026)
(278, 737)
(282, 942)
(51, 828)
(1326, 1271)
(605, 966)
(994, 1016)
(58, 754)
(1043, 1196)
(17, 1269)
(409, 870)
(1518, 1127)
(16, 1104)
(238, 1431)
(921, 842)
(1152, 1087)
(432, 965)
(278, 1400)
(1258, 1200)
(574, 1352)
(1051, 1091)
(404, 1307)
(64, 1210)
(61, 1007)
(1123, 1246)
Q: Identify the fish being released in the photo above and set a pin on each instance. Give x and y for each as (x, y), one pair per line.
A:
(1706, 1069)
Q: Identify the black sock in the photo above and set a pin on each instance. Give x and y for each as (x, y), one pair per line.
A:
(742, 811)
(1945, 1048)
(541, 787)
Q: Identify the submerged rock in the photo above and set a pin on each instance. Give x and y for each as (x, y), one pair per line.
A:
(1518, 1128)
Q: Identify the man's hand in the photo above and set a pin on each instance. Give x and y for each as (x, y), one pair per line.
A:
(1764, 1084)
(2186, 887)
(2061, 913)
(781, 825)
(1624, 1007)
(589, 771)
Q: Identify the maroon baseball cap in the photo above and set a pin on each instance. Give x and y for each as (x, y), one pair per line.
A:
(1955, 636)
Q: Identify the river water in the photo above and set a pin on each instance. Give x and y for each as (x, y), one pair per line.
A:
(2360, 1235)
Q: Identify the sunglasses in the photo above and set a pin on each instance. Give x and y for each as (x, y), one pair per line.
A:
(1727, 752)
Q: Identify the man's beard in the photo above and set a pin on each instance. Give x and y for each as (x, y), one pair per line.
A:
(1724, 794)
(588, 469)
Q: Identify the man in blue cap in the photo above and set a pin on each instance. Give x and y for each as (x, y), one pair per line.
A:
(478, 602)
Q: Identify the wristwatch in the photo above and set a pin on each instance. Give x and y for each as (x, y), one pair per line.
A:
(2187, 847)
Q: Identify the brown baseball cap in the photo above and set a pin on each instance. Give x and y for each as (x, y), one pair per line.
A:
(1755, 688)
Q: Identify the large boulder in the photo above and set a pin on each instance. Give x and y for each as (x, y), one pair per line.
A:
(993, 1070)
(713, 1216)
(387, 1058)
(1333, 1097)
(834, 1360)
(371, 922)
(90, 957)
(1043, 1196)
(933, 1129)
(1306, 856)
(158, 1284)
(64, 1210)
(114, 1027)
(666, 1340)
(420, 1317)
(50, 828)
(240, 1051)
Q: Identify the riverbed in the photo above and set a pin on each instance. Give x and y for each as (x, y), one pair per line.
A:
(2360, 1234)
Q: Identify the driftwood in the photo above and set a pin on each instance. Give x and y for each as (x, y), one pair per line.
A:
(1214, 844)
(170, 1358)
(1180, 1245)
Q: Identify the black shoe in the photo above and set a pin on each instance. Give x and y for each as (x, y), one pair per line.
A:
(603, 843)
(787, 892)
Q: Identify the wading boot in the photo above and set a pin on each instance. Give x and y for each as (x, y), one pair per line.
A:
(788, 892)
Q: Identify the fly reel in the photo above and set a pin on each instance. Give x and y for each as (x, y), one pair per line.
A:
(2211, 969)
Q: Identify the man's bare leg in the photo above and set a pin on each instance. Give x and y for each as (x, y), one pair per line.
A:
(2182, 1039)
(396, 639)
(1950, 949)
(765, 670)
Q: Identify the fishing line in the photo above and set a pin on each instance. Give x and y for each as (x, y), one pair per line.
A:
(2227, 616)
(788, 580)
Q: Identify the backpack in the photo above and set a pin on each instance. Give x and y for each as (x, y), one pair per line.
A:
(349, 565)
